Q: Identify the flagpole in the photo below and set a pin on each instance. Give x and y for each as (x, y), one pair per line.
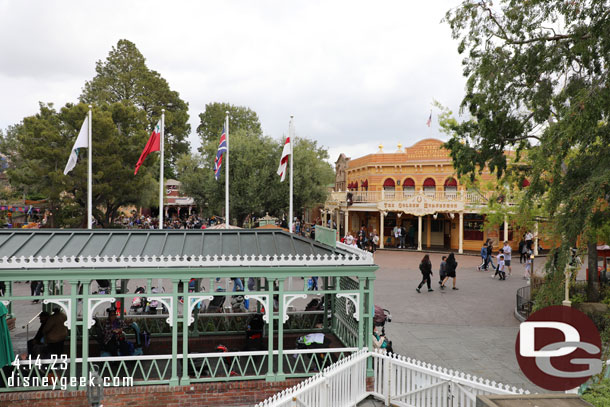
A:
(161, 183)
(292, 140)
(89, 172)
(227, 173)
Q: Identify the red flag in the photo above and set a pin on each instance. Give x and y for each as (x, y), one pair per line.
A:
(154, 144)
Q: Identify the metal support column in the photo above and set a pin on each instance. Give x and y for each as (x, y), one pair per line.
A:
(461, 234)
(419, 233)
(174, 381)
(85, 324)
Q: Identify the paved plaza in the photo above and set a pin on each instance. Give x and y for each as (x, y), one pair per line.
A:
(472, 329)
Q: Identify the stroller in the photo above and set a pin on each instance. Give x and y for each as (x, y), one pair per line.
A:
(316, 304)
(217, 302)
(152, 305)
(103, 287)
(138, 304)
(380, 317)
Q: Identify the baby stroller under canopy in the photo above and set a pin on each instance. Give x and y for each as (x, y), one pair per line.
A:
(217, 302)
(380, 317)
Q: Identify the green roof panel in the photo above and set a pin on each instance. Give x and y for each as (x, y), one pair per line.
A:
(79, 242)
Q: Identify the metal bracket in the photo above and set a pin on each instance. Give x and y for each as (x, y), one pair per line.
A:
(192, 304)
(66, 304)
(288, 298)
(355, 298)
(169, 303)
(93, 303)
(263, 299)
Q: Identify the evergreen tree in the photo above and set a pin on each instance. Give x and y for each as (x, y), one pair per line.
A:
(124, 76)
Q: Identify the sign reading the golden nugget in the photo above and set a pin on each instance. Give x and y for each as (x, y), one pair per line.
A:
(420, 205)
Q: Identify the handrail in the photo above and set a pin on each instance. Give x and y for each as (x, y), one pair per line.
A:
(27, 326)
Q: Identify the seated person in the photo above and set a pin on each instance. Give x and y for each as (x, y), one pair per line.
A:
(36, 345)
(114, 337)
(55, 332)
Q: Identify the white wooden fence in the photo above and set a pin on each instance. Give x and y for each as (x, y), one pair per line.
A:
(398, 381)
(342, 384)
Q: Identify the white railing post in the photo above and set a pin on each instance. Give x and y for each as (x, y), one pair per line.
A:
(386, 379)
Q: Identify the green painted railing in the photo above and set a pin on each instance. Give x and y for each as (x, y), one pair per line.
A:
(156, 369)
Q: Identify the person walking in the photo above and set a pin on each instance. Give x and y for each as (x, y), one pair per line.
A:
(442, 272)
(521, 251)
(483, 265)
(507, 256)
(36, 288)
(500, 268)
(374, 239)
(397, 236)
(529, 240)
(426, 270)
(450, 268)
(490, 249)
(528, 265)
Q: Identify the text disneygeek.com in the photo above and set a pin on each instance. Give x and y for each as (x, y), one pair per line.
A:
(63, 383)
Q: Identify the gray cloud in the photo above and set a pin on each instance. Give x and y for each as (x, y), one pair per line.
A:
(354, 74)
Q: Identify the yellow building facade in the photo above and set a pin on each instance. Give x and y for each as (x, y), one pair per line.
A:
(416, 188)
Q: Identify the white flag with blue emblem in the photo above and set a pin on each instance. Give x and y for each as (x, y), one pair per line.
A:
(82, 141)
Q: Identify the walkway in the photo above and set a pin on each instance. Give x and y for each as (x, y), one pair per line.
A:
(471, 329)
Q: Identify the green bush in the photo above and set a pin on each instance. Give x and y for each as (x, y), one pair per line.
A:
(551, 292)
(598, 394)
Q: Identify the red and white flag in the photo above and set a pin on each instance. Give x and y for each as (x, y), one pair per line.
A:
(281, 171)
(429, 122)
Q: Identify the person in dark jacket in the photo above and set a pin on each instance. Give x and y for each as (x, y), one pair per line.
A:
(489, 259)
(426, 270)
(450, 268)
(521, 251)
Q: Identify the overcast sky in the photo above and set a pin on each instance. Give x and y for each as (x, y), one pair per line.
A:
(355, 74)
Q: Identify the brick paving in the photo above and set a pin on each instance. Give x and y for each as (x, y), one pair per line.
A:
(472, 329)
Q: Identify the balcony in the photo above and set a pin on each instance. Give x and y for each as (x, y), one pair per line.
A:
(364, 197)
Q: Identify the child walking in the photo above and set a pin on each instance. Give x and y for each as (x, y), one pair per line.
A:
(528, 265)
(500, 268)
(442, 272)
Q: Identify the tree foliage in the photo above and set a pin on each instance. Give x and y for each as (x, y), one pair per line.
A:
(538, 84)
(124, 76)
(213, 118)
(38, 149)
(255, 187)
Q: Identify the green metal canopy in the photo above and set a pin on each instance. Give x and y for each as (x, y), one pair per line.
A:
(47, 248)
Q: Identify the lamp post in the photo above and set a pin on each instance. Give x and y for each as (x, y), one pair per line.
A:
(532, 270)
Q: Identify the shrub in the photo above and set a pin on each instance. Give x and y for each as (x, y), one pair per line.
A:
(598, 394)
